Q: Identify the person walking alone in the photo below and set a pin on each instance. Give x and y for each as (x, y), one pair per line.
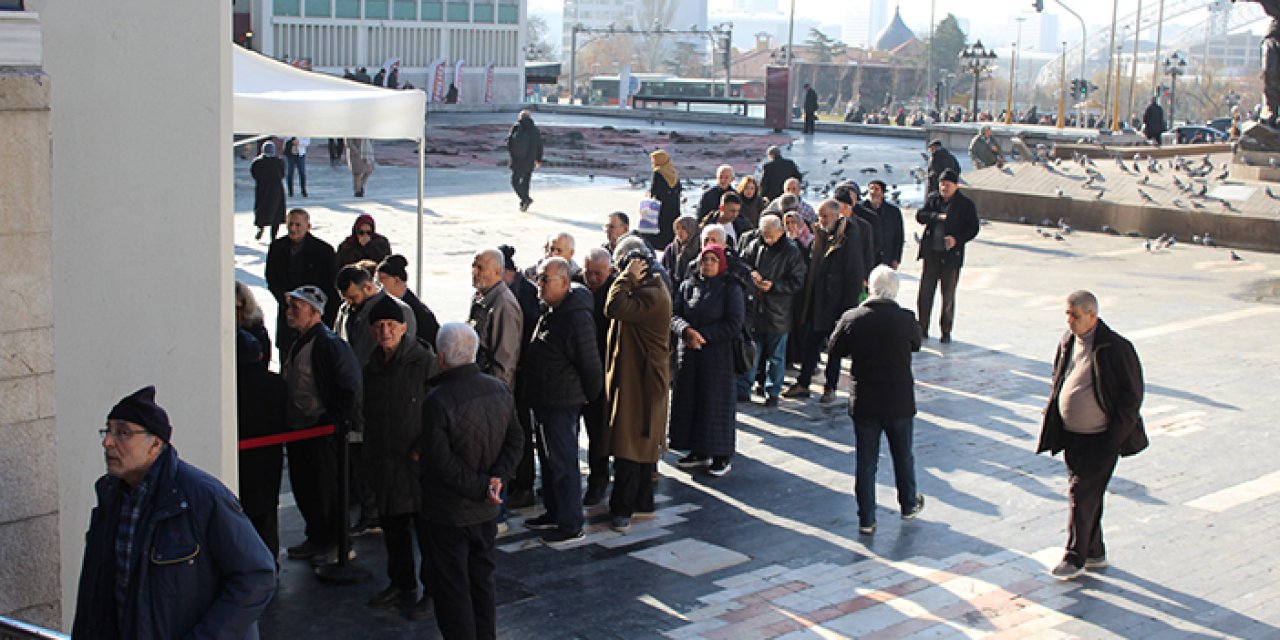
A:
(268, 190)
(524, 144)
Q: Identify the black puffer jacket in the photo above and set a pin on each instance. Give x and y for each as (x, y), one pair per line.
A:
(469, 434)
(394, 392)
(561, 361)
(782, 264)
(961, 223)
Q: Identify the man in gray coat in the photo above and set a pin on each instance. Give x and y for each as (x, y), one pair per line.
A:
(496, 318)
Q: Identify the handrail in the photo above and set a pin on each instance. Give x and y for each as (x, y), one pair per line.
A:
(11, 629)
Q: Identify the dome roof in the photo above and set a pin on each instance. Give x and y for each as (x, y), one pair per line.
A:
(895, 34)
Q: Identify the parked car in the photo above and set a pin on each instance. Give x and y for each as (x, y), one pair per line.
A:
(1221, 124)
(1195, 133)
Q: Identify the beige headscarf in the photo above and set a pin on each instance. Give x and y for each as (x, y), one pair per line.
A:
(662, 164)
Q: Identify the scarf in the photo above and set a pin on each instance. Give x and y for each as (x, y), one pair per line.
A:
(662, 164)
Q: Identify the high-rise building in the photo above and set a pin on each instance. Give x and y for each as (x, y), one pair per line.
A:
(863, 19)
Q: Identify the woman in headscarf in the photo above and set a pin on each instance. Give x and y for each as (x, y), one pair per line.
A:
(364, 243)
(268, 190)
(706, 318)
(393, 275)
(752, 202)
(799, 231)
(665, 189)
(683, 250)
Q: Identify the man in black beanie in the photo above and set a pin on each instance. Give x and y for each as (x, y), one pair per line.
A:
(155, 511)
(950, 222)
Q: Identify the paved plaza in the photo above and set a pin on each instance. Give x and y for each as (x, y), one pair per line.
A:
(772, 550)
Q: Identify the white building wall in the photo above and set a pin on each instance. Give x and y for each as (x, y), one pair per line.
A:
(142, 234)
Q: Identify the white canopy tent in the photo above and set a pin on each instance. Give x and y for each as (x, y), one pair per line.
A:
(273, 98)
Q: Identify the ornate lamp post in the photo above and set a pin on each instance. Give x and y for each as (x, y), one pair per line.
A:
(1175, 65)
(977, 60)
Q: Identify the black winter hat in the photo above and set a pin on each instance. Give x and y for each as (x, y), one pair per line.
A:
(949, 175)
(140, 408)
(508, 252)
(386, 309)
(395, 265)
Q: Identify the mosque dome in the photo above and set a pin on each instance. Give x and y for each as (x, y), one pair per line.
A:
(896, 34)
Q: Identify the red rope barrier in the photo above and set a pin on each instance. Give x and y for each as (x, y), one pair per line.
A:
(291, 436)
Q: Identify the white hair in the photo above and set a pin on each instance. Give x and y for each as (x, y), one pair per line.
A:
(724, 167)
(457, 343)
(563, 235)
(712, 229)
(1083, 300)
(596, 254)
(883, 283)
(626, 246)
(771, 222)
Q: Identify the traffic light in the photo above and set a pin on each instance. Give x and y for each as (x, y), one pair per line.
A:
(1075, 89)
(1038, 5)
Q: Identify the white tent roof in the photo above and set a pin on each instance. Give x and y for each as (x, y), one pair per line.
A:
(274, 98)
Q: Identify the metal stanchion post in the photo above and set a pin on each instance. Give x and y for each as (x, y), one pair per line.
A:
(344, 571)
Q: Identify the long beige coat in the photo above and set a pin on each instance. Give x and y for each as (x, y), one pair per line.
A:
(637, 366)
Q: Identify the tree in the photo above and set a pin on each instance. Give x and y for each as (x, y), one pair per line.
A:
(823, 48)
(688, 60)
(539, 48)
(948, 42)
(653, 49)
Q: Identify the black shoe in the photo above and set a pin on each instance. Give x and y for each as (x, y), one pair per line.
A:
(720, 467)
(759, 389)
(560, 537)
(946, 338)
(364, 526)
(540, 523)
(797, 391)
(621, 524)
(594, 495)
(771, 401)
(693, 461)
(290, 194)
(330, 556)
(360, 194)
(304, 193)
(520, 499)
(258, 235)
(420, 611)
(916, 509)
(392, 598)
(305, 550)
(744, 398)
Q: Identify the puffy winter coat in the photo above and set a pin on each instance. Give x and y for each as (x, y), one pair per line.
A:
(562, 364)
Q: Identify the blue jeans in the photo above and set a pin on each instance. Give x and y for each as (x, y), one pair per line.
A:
(299, 164)
(773, 348)
(867, 432)
(561, 477)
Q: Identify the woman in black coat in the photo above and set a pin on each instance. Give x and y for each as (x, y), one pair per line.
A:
(364, 243)
(707, 317)
(665, 188)
(268, 190)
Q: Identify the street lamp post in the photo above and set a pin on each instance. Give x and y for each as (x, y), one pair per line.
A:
(1175, 65)
(977, 60)
(1062, 88)
(1013, 68)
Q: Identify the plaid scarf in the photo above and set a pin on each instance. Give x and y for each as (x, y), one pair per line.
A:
(130, 513)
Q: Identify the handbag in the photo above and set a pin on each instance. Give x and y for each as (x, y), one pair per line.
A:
(744, 352)
(649, 209)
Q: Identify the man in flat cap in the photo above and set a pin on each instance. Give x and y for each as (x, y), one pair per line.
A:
(169, 553)
(950, 222)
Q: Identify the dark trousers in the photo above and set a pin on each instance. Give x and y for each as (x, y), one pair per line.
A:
(361, 491)
(558, 455)
(313, 474)
(810, 121)
(813, 343)
(461, 563)
(867, 437)
(596, 417)
(520, 182)
(1090, 463)
(336, 147)
(771, 349)
(632, 488)
(525, 470)
(398, 532)
(260, 471)
(299, 164)
(934, 273)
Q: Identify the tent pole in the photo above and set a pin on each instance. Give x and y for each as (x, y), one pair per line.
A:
(422, 164)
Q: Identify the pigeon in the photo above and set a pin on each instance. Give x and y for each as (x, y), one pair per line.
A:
(591, 176)
(1235, 257)
(1196, 239)
(1057, 191)
(1227, 205)
(870, 170)
(1147, 245)
(1273, 163)
(1197, 205)
(1269, 192)
(1207, 241)
(1224, 175)
(1108, 229)
(1178, 203)
(1146, 179)
(1043, 233)
(1063, 226)
(1058, 237)
(844, 147)
(1100, 192)
(824, 161)
(1204, 190)
(888, 168)
(1145, 196)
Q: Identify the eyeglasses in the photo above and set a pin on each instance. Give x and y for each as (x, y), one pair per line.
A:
(119, 435)
(542, 278)
(365, 232)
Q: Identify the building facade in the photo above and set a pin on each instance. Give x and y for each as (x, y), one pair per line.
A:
(337, 34)
(863, 19)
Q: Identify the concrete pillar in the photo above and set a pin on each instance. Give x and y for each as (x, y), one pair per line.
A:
(142, 233)
(28, 443)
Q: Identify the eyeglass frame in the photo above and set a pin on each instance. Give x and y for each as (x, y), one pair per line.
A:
(116, 434)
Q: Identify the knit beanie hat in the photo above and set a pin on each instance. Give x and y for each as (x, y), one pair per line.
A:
(140, 408)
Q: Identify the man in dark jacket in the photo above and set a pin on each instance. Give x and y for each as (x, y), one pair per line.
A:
(879, 336)
(520, 490)
(395, 386)
(939, 160)
(360, 294)
(323, 386)
(711, 198)
(810, 109)
(597, 275)
(777, 271)
(869, 226)
(951, 221)
(776, 172)
(1153, 122)
(837, 273)
(168, 554)
(297, 259)
(728, 215)
(563, 373)
(470, 442)
(524, 144)
(1093, 414)
(889, 250)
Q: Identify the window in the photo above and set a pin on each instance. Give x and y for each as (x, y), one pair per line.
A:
(375, 9)
(483, 11)
(405, 10)
(508, 11)
(459, 12)
(346, 8)
(317, 8)
(432, 10)
(287, 8)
